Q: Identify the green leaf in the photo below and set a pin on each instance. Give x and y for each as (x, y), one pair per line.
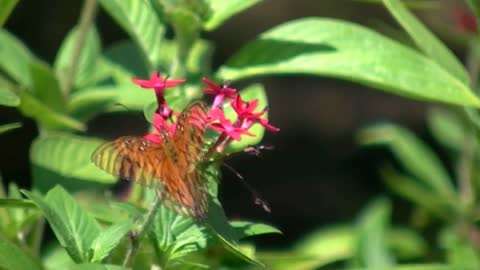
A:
(65, 159)
(96, 266)
(327, 245)
(416, 157)
(46, 117)
(447, 127)
(127, 58)
(17, 203)
(130, 97)
(7, 127)
(461, 252)
(89, 102)
(418, 193)
(13, 258)
(8, 97)
(139, 20)
(16, 58)
(406, 244)
(88, 57)
(45, 86)
(55, 257)
(474, 6)
(177, 236)
(345, 50)
(109, 239)
(426, 40)
(74, 228)
(246, 229)
(373, 225)
(6, 8)
(199, 60)
(255, 91)
(223, 10)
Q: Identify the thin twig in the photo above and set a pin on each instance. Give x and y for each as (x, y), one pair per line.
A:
(144, 227)
(86, 18)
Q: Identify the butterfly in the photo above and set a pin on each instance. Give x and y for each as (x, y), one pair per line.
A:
(170, 167)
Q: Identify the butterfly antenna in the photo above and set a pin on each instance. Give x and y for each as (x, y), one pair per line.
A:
(255, 194)
(256, 150)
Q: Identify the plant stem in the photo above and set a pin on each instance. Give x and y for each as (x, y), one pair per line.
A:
(144, 227)
(86, 18)
(465, 184)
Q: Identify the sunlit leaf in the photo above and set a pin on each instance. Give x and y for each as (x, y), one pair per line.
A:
(88, 57)
(8, 97)
(246, 229)
(47, 118)
(6, 7)
(109, 239)
(74, 228)
(373, 224)
(222, 10)
(66, 159)
(334, 48)
(97, 266)
(177, 236)
(16, 58)
(426, 40)
(139, 20)
(13, 258)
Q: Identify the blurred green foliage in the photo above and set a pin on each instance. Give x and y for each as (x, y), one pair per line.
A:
(93, 230)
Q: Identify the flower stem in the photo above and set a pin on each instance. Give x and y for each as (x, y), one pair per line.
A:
(86, 18)
(144, 227)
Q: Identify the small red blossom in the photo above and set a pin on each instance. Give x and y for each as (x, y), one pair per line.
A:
(246, 115)
(220, 123)
(160, 125)
(158, 83)
(220, 92)
(465, 20)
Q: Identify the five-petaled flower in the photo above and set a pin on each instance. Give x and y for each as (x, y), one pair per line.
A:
(220, 92)
(158, 83)
(220, 123)
(246, 116)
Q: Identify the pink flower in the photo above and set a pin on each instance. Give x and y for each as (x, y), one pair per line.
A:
(220, 123)
(160, 125)
(246, 115)
(220, 92)
(158, 83)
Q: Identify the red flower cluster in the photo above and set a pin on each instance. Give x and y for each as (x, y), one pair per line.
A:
(245, 111)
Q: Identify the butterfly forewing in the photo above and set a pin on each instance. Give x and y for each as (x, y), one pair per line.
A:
(171, 166)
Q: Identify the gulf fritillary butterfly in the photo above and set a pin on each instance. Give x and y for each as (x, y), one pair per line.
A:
(171, 167)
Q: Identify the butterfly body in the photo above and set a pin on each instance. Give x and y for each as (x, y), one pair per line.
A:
(170, 167)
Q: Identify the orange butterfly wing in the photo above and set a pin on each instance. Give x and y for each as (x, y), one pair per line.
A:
(170, 167)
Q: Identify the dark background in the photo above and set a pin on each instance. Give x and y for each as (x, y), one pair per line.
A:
(317, 175)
